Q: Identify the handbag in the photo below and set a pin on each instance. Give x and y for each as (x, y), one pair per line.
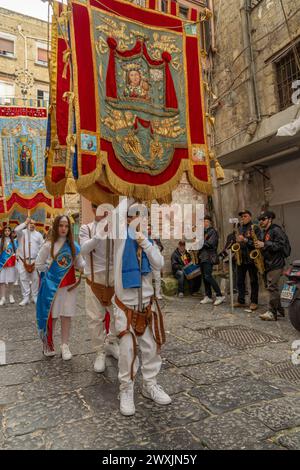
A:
(29, 267)
(103, 293)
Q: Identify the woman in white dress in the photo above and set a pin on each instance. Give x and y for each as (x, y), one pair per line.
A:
(57, 260)
(8, 271)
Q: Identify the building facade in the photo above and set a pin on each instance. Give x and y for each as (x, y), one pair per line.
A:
(24, 76)
(256, 80)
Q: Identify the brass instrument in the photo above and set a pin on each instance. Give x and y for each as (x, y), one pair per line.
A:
(236, 250)
(256, 254)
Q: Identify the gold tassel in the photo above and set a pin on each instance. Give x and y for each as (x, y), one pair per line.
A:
(210, 119)
(70, 187)
(206, 14)
(219, 170)
(66, 61)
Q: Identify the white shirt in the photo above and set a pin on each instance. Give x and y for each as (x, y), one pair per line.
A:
(34, 238)
(44, 256)
(98, 248)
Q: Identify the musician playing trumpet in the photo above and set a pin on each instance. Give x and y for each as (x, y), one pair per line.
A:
(247, 265)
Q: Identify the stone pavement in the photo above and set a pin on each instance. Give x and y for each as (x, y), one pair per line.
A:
(227, 394)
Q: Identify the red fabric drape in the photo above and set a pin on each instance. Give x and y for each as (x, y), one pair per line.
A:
(144, 123)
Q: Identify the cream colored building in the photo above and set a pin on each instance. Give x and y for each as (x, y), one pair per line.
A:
(23, 59)
(256, 71)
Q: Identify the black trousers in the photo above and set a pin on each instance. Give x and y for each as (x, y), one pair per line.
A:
(241, 282)
(209, 280)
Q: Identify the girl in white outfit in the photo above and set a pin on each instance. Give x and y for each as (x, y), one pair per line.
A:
(57, 296)
(8, 272)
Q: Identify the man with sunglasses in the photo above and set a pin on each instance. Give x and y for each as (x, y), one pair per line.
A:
(244, 238)
(273, 249)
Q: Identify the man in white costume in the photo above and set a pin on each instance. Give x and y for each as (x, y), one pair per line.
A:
(134, 262)
(30, 242)
(93, 249)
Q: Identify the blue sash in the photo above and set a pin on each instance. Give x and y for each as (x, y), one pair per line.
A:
(131, 271)
(7, 254)
(49, 285)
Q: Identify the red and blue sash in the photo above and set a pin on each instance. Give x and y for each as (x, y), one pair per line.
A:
(8, 256)
(61, 268)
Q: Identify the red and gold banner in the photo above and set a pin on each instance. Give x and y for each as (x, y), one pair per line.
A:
(135, 83)
(22, 147)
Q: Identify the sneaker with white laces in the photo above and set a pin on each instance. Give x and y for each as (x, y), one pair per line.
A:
(112, 349)
(99, 364)
(48, 350)
(24, 302)
(206, 300)
(11, 299)
(156, 393)
(65, 352)
(2, 301)
(268, 316)
(127, 407)
(219, 300)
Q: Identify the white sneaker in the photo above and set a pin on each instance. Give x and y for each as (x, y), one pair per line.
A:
(11, 299)
(99, 364)
(156, 393)
(2, 301)
(112, 349)
(48, 352)
(268, 316)
(159, 297)
(219, 300)
(24, 302)
(34, 299)
(65, 352)
(127, 407)
(206, 300)
(181, 294)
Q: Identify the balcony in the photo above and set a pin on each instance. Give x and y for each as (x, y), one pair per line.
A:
(23, 102)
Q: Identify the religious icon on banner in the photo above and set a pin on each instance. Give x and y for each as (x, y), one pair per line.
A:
(26, 166)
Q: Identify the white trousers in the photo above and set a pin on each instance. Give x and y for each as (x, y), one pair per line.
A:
(25, 280)
(157, 282)
(96, 315)
(151, 360)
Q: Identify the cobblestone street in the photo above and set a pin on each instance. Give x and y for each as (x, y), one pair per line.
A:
(230, 376)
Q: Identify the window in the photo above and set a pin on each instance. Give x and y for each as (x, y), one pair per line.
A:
(183, 12)
(42, 98)
(164, 6)
(7, 92)
(7, 45)
(287, 72)
(42, 55)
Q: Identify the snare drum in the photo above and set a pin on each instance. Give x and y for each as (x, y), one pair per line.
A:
(191, 271)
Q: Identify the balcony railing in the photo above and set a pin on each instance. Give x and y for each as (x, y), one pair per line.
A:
(23, 102)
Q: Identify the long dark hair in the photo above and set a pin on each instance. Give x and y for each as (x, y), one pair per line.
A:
(55, 235)
(3, 238)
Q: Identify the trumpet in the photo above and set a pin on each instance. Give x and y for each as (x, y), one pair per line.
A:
(256, 254)
(236, 250)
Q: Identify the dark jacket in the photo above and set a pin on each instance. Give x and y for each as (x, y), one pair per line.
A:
(248, 246)
(176, 260)
(208, 252)
(274, 240)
